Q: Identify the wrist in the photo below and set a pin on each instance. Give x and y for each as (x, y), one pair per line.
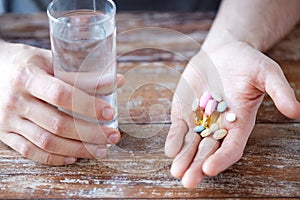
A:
(217, 39)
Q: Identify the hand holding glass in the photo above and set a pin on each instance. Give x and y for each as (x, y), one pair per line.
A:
(83, 44)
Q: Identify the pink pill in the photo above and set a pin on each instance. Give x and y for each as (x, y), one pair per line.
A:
(211, 106)
(204, 100)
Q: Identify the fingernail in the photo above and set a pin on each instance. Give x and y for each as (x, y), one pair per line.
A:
(114, 138)
(101, 152)
(107, 113)
(70, 160)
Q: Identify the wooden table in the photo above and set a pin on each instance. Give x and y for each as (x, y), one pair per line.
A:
(152, 60)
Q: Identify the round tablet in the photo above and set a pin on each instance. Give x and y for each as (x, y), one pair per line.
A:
(230, 117)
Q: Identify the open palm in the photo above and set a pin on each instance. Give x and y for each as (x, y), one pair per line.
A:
(241, 75)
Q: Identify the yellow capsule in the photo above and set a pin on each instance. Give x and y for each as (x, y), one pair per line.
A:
(198, 114)
(214, 117)
(206, 121)
(197, 122)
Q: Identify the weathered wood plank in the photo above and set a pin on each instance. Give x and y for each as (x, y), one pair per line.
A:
(176, 30)
(137, 167)
(269, 168)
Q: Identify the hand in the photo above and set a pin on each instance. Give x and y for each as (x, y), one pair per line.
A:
(30, 122)
(242, 75)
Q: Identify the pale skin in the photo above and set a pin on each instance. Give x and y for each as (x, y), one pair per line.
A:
(30, 122)
(240, 32)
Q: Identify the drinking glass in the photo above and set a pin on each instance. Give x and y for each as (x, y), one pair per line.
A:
(83, 43)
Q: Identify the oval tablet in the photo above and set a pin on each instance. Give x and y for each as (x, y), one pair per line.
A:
(199, 129)
(230, 117)
(217, 97)
(222, 106)
(220, 134)
(206, 132)
(195, 104)
(204, 100)
(214, 127)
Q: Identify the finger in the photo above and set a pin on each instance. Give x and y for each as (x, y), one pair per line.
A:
(182, 161)
(93, 82)
(230, 152)
(29, 55)
(63, 125)
(105, 86)
(63, 95)
(282, 94)
(29, 150)
(58, 145)
(233, 144)
(42, 58)
(175, 138)
(194, 174)
(120, 80)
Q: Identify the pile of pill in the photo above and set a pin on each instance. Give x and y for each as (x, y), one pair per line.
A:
(204, 108)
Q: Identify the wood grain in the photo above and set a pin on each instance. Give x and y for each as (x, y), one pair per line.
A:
(153, 50)
(269, 168)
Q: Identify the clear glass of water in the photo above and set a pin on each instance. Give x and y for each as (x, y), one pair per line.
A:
(83, 42)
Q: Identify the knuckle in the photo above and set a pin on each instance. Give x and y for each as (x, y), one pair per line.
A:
(44, 141)
(20, 76)
(15, 105)
(58, 125)
(11, 102)
(57, 93)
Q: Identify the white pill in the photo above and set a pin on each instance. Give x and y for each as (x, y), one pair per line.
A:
(195, 105)
(214, 127)
(230, 117)
(217, 97)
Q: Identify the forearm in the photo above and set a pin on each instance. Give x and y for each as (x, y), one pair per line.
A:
(259, 23)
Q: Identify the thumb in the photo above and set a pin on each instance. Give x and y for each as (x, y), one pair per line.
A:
(175, 138)
(277, 86)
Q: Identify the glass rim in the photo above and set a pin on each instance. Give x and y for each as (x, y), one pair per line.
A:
(107, 17)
